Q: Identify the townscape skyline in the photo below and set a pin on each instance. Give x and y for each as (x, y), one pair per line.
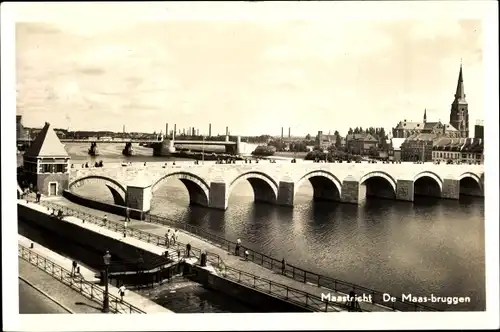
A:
(245, 74)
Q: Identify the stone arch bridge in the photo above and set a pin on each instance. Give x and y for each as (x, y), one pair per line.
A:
(211, 185)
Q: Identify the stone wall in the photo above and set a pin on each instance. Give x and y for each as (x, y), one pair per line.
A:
(350, 191)
(286, 193)
(451, 189)
(82, 236)
(218, 193)
(259, 300)
(106, 207)
(43, 181)
(404, 190)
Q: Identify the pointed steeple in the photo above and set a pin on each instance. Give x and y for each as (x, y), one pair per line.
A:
(425, 115)
(460, 93)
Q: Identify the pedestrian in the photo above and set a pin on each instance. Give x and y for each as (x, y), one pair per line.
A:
(169, 237)
(121, 291)
(283, 266)
(246, 255)
(173, 237)
(237, 249)
(127, 214)
(73, 268)
(104, 220)
(188, 249)
(38, 196)
(176, 234)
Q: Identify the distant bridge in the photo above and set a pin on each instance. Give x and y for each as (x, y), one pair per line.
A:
(146, 141)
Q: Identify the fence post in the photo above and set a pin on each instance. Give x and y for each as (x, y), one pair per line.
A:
(254, 281)
(318, 280)
(293, 272)
(305, 276)
(239, 276)
(326, 305)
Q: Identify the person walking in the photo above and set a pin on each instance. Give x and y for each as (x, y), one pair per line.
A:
(104, 220)
(246, 255)
(167, 239)
(38, 196)
(74, 265)
(127, 214)
(121, 291)
(175, 236)
(237, 249)
(283, 266)
(188, 249)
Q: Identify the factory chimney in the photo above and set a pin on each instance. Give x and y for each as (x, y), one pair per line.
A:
(209, 130)
(289, 132)
(281, 132)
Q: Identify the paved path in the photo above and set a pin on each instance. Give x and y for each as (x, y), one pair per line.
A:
(61, 293)
(32, 301)
(228, 258)
(131, 297)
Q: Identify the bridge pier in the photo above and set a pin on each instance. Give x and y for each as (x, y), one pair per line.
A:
(218, 195)
(163, 148)
(451, 189)
(139, 197)
(404, 190)
(352, 192)
(286, 193)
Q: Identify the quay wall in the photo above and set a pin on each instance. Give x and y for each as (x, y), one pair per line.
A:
(95, 243)
(259, 300)
(106, 207)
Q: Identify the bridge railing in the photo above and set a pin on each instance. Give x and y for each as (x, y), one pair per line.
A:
(76, 282)
(291, 271)
(290, 294)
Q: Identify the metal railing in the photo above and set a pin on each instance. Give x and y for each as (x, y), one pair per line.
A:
(76, 282)
(290, 294)
(263, 260)
(291, 271)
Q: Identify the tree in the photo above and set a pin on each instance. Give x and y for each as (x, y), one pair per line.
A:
(338, 140)
(308, 137)
(350, 132)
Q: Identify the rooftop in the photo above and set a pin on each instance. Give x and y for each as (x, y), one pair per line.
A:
(46, 144)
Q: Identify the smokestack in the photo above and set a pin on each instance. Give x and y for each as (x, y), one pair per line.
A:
(166, 129)
(281, 132)
(289, 132)
(193, 131)
(227, 131)
(209, 130)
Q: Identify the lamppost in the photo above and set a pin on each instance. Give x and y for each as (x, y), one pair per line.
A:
(107, 261)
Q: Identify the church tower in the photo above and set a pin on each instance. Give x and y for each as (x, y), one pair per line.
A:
(459, 115)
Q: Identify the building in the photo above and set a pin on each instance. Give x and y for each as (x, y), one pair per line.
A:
(459, 150)
(21, 132)
(46, 163)
(459, 119)
(459, 115)
(418, 147)
(361, 144)
(479, 130)
(396, 147)
(405, 129)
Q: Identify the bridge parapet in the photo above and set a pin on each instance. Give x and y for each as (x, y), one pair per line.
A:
(211, 184)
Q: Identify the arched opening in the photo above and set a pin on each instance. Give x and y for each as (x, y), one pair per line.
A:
(321, 185)
(377, 185)
(264, 188)
(470, 186)
(100, 189)
(426, 186)
(173, 192)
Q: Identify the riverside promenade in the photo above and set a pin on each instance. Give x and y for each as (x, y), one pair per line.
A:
(229, 260)
(136, 300)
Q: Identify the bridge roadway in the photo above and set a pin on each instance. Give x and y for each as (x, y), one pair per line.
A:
(228, 258)
(192, 142)
(210, 185)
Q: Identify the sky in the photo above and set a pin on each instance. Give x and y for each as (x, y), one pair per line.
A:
(107, 70)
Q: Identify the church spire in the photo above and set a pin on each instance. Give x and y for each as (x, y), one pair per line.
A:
(460, 94)
(425, 115)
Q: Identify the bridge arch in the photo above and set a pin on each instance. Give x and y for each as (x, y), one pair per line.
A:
(118, 191)
(378, 184)
(198, 188)
(265, 188)
(471, 184)
(427, 183)
(326, 186)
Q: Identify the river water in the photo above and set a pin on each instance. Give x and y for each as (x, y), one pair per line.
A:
(427, 247)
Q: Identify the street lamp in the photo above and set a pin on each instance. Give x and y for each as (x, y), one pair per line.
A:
(107, 261)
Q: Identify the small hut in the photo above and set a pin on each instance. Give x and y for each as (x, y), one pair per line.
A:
(46, 163)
